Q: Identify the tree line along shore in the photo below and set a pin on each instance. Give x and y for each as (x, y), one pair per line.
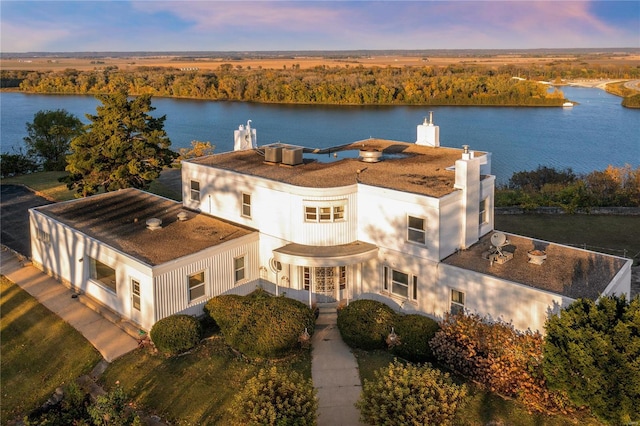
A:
(427, 85)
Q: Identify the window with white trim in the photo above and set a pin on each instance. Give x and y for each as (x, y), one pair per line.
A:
(246, 205)
(342, 277)
(104, 274)
(457, 301)
(43, 236)
(329, 211)
(399, 283)
(416, 229)
(484, 212)
(196, 286)
(239, 269)
(195, 190)
(135, 294)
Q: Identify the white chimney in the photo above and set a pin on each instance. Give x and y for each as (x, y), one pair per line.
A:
(244, 138)
(468, 180)
(428, 133)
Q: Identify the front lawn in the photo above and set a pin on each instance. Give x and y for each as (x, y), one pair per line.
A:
(39, 352)
(192, 389)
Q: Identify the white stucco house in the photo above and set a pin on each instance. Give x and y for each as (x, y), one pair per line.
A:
(406, 223)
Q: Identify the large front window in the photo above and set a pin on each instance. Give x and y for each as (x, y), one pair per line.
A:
(102, 273)
(398, 283)
(196, 286)
(416, 230)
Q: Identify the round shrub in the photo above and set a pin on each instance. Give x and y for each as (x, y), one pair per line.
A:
(275, 397)
(415, 332)
(410, 395)
(176, 334)
(365, 324)
(261, 325)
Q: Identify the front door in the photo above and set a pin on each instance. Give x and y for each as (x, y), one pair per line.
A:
(325, 284)
(136, 301)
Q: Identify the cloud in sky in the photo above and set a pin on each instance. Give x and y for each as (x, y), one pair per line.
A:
(66, 26)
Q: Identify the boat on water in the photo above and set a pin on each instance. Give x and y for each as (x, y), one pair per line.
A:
(567, 105)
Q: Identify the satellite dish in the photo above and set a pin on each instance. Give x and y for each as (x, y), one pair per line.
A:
(499, 240)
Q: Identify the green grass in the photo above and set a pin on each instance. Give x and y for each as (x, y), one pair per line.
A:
(618, 235)
(39, 352)
(482, 407)
(45, 184)
(192, 389)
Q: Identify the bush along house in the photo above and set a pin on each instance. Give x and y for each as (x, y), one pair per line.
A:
(406, 223)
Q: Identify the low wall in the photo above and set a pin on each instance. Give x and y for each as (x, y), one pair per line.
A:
(611, 211)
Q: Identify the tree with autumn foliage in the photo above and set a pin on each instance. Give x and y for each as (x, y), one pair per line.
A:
(123, 146)
(592, 353)
(497, 356)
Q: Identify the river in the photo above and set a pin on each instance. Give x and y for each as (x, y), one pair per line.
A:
(590, 136)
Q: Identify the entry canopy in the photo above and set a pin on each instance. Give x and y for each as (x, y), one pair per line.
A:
(326, 256)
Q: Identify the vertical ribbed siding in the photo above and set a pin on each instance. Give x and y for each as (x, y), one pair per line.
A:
(172, 295)
(324, 233)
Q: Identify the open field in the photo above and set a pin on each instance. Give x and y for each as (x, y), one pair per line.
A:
(309, 60)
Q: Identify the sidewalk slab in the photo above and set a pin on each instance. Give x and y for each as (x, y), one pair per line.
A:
(110, 340)
(335, 374)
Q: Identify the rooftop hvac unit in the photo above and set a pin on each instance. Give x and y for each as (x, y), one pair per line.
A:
(273, 153)
(292, 156)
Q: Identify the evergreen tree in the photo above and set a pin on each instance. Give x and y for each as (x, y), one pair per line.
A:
(592, 353)
(49, 136)
(122, 147)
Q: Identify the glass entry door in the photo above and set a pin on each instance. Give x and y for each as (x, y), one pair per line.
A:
(325, 284)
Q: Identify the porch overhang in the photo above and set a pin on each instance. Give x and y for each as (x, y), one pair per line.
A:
(325, 256)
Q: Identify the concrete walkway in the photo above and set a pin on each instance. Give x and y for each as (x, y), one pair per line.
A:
(109, 339)
(335, 374)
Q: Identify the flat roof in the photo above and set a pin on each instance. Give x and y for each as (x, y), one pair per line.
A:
(567, 271)
(118, 219)
(404, 167)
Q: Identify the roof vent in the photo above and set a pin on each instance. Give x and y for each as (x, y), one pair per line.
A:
(182, 216)
(370, 155)
(154, 223)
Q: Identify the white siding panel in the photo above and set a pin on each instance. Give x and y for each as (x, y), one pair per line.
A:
(171, 285)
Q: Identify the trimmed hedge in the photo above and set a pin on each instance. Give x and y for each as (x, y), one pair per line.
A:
(176, 334)
(415, 332)
(275, 397)
(260, 325)
(365, 324)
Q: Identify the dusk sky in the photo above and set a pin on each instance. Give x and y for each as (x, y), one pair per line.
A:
(79, 26)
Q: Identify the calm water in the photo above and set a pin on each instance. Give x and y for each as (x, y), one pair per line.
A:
(587, 137)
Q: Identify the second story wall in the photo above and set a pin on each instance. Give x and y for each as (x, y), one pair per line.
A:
(311, 216)
(400, 221)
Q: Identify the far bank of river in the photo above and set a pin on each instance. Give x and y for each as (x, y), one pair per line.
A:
(590, 136)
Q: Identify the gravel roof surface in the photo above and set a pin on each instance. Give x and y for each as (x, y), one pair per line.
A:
(567, 271)
(119, 219)
(404, 167)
